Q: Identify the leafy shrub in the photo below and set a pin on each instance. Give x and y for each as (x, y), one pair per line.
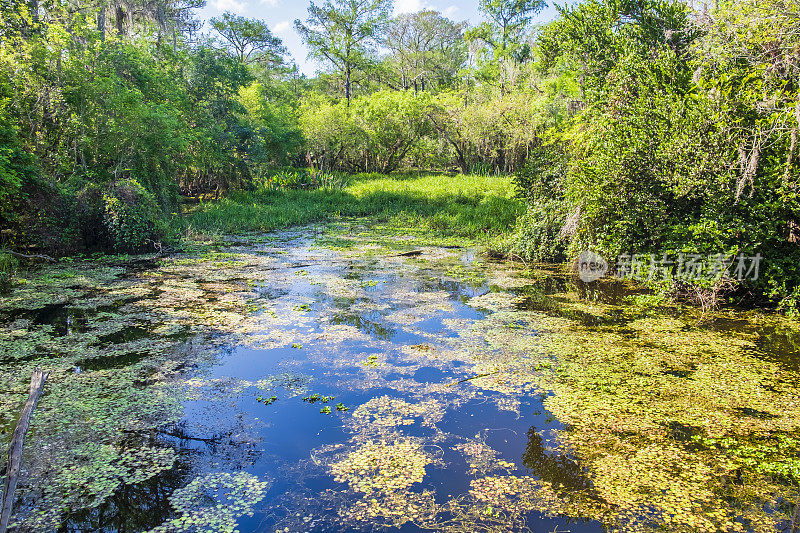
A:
(121, 216)
(537, 236)
(791, 303)
(131, 217)
(8, 268)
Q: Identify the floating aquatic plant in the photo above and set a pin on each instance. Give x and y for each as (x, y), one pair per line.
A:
(214, 502)
(382, 467)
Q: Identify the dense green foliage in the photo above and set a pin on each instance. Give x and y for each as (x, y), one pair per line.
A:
(630, 126)
(100, 130)
(685, 145)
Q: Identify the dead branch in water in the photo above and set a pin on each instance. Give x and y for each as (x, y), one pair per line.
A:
(15, 448)
(39, 257)
(412, 253)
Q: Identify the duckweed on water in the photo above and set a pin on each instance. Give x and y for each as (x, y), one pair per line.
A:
(214, 502)
(481, 458)
(385, 412)
(382, 467)
(639, 396)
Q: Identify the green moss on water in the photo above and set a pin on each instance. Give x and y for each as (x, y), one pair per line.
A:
(677, 422)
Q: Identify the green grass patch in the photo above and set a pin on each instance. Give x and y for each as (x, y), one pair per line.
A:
(463, 206)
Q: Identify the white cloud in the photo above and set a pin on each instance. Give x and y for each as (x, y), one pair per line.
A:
(407, 6)
(449, 11)
(229, 5)
(281, 27)
(270, 3)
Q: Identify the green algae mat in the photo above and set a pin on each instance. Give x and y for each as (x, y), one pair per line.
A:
(317, 380)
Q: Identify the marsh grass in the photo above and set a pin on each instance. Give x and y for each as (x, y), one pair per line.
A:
(464, 206)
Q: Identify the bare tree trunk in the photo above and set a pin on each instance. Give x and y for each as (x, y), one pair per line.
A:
(101, 23)
(120, 20)
(34, 7)
(15, 448)
(161, 20)
(29, 29)
(347, 84)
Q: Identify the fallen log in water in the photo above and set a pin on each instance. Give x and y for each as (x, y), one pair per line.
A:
(15, 448)
(32, 257)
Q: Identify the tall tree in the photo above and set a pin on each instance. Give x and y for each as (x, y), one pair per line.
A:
(126, 16)
(249, 40)
(505, 29)
(344, 33)
(426, 48)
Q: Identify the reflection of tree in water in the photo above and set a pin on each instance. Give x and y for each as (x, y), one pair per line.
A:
(145, 505)
(563, 472)
(457, 290)
(780, 345)
(133, 507)
(363, 324)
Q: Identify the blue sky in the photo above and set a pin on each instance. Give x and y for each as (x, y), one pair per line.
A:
(280, 15)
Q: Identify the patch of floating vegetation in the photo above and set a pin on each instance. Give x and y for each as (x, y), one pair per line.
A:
(383, 413)
(481, 458)
(639, 391)
(382, 467)
(117, 341)
(214, 502)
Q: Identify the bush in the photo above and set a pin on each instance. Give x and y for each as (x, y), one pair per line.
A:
(8, 268)
(121, 216)
(131, 217)
(537, 234)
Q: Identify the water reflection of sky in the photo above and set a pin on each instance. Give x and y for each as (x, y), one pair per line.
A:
(283, 436)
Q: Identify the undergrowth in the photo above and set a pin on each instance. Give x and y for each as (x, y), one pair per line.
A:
(463, 205)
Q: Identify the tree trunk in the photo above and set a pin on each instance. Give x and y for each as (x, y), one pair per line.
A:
(120, 20)
(347, 84)
(793, 143)
(29, 29)
(101, 23)
(34, 7)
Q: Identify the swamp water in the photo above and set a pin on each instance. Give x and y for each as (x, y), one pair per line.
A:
(291, 383)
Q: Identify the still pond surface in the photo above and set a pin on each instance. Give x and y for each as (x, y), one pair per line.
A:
(298, 382)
